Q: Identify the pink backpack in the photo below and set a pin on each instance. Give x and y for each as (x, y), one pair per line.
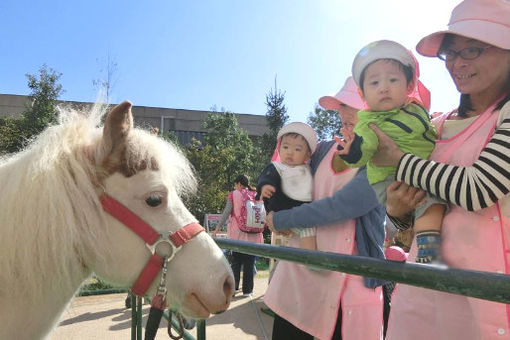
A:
(253, 213)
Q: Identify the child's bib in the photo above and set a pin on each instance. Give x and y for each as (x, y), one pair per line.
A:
(296, 181)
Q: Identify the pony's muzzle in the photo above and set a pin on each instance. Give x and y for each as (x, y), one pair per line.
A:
(228, 290)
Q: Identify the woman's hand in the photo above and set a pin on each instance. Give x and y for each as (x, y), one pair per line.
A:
(388, 153)
(270, 225)
(346, 142)
(402, 199)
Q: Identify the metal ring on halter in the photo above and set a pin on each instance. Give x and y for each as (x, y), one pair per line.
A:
(164, 239)
(180, 333)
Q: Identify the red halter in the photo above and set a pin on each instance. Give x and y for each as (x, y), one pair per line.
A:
(151, 237)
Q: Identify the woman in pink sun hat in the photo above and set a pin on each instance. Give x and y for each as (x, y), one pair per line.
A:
(347, 95)
(346, 101)
(349, 220)
(469, 168)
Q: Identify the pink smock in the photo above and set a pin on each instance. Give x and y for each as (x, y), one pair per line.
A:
(309, 299)
(469, 240)
(233, 231)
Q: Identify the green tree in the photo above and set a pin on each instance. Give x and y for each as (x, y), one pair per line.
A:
(42, 111)
(224, 134)
(259, 157)
(276, 117)
(208, 163)
(45, 91)
(326, 123)
(170, 136)
(226, 152)
(12, 135)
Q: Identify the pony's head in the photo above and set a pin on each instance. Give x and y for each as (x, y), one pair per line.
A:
(149, 176)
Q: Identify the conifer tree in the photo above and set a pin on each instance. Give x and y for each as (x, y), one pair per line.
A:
(276, 116)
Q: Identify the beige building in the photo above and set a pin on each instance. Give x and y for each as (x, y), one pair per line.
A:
(184, 123)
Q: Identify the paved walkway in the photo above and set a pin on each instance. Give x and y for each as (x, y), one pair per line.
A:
(104, 317)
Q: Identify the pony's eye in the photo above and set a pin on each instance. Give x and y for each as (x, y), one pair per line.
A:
(153, 200)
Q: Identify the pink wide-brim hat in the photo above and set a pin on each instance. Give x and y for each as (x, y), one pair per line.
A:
(484, 20)
(348, 95)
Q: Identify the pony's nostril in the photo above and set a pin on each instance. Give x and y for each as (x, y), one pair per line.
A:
(228, 286)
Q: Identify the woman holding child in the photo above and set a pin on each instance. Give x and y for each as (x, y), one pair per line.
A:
(349, 220)
(469, 168)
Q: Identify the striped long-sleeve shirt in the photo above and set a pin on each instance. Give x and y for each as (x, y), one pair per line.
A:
(474, 187)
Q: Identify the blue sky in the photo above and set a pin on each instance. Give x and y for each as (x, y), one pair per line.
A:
(197, 54)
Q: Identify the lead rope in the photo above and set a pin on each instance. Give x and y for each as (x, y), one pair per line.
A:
(158, 305)
(180, 333)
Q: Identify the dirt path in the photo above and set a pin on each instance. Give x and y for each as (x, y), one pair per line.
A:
(104, 317)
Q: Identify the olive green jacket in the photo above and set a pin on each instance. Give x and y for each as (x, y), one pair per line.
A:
(408, 126)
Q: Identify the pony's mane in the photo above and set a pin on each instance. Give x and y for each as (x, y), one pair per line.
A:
(50, 214)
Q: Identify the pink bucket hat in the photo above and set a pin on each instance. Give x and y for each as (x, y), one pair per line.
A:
(484, 20)
(348, 95)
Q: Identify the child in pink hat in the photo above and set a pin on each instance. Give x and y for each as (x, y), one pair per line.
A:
(385, 73)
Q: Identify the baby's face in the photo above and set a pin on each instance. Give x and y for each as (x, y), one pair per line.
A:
(385, 86)
(294, 150)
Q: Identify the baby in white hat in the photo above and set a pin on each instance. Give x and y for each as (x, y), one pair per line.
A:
(288, 183)
(387, 77)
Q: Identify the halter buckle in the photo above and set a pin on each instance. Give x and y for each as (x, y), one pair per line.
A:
(172, 250)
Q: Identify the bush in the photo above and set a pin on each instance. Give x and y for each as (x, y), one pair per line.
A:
(95, 283)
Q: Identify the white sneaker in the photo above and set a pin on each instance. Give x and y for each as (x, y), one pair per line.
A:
(248, 295)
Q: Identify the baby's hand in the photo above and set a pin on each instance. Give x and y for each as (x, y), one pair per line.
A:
(267, 191)
(346, 142)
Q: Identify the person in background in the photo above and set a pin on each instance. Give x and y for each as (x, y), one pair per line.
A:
(288, 183)
(240, 260)
(468, 168)
(349, 220)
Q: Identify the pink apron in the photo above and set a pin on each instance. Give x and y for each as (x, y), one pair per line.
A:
(470, 240)
(310, 300)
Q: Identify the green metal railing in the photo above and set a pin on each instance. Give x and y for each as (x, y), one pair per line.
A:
(101, 291)
(483, 285)
(136, 317)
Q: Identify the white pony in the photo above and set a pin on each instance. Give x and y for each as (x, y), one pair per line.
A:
(54, 231)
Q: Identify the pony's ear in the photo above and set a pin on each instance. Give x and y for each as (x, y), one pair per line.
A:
(116, 127)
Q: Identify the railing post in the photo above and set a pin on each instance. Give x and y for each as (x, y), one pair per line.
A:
(201, 329)
(139, 318)
(134, 318)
